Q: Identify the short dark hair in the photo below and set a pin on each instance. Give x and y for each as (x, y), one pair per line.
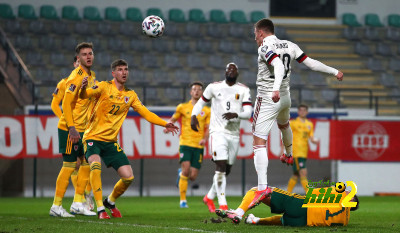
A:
(83, 45)
(118, 62)
(358, 203)
(197, 83)
(265, 25)
(303, 106)
(75, 58)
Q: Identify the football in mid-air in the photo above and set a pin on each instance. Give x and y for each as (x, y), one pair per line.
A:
(153, 26)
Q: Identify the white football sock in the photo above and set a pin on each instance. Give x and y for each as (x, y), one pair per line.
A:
(287, 139)
(261, 165)
(100, 208)
(220, 184)
(211, 193)
(239, 212)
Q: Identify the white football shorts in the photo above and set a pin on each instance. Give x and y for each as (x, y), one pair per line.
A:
(224, 147)
(265, 113)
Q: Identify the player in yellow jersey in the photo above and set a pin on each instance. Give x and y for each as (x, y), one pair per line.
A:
(302, 129)
(58, 96)
(191, 143)
(100, 138)
(293, 214)
(71, 126)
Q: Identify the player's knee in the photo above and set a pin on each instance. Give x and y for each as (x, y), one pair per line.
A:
(283, 126)
(94, 158)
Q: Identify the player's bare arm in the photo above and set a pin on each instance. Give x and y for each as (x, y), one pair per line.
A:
(172, 120)
(206, 134)
(171, 128)
(194, 123)
(229, 115)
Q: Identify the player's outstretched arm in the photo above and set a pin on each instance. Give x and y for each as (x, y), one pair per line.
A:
(154, 119)
(194, 123)
(321, 67)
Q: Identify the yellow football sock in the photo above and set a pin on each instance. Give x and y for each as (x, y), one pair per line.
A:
(304, 183)
(63, 181)
(183, 185)
(247, 199)
(88, 188)
(292, 183)
(95, 180)
(74, 177)
(274, 220)
(83, 177)
(120, 187)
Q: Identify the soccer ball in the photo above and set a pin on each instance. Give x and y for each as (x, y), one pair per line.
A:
(153, 26)
(340, 187)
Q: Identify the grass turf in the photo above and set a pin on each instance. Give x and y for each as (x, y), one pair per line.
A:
(162, 214)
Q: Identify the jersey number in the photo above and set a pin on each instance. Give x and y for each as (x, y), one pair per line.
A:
(286, 63)
(114, 107)
(118, 147)
(228, 105)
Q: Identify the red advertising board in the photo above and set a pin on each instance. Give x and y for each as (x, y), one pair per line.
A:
(36, 136)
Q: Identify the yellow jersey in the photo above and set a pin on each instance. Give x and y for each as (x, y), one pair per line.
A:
(111, 109)
(58, 96)
(188, 136)
(81, 108)
(327, 216)
(302, 131)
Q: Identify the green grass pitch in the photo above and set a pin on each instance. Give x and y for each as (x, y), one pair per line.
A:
(162, 214)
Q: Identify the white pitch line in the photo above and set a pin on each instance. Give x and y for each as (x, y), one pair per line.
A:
(136, 225)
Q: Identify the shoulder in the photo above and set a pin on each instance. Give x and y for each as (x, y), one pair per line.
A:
(241, 85)
(309, 122)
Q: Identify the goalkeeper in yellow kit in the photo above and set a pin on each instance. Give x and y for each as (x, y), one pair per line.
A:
(100, 138)
(293, 214)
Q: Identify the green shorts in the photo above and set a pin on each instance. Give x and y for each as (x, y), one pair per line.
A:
(110, 152)
(192, 154)
(299, 163)
(70, 152)
(289, 204)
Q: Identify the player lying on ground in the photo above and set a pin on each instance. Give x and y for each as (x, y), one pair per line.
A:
(290, 205)
(100, 139)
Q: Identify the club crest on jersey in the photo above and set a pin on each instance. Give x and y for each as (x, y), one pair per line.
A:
(126, 99)
(90, 143)
(55, 91)
(237, 96)
(202, 113)
(181, 155)
(72, 87)
(76, 147)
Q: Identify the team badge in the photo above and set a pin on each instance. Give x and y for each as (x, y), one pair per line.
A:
(55, 91)
(181, 155)
(72, 87)
(126, 99)
(237, 96)
(202, 113)
(76, 147)
(90, 143)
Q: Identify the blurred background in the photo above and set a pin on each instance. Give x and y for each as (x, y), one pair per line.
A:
(361, 38)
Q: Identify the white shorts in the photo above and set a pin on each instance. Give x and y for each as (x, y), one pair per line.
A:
(224, 147)
(265, 113)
